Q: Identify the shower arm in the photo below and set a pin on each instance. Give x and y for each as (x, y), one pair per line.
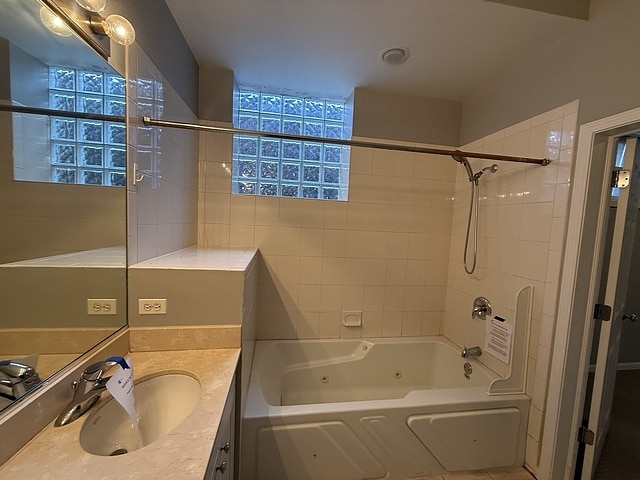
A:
(465, 163)
(473, 177)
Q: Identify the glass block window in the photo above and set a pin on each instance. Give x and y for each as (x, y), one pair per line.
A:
(290, 168)
(91, 152)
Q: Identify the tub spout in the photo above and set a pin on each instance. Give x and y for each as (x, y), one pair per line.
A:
(468, 352)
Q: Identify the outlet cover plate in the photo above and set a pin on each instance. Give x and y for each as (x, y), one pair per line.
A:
(102, 306)
(152, 306)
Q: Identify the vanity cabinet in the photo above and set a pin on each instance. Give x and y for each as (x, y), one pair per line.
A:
(221, 462)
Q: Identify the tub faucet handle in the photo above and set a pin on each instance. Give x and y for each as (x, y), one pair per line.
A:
(468, 352)
(481, 308)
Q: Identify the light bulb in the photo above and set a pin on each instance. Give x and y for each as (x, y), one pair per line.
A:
(92, 5)
(54, 23)
(119, 29)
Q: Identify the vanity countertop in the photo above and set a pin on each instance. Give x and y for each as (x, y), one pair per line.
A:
(181, 454)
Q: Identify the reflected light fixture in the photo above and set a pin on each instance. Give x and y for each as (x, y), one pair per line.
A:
(84, 18)
(54, 23)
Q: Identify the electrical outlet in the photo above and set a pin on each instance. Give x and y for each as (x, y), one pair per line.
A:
(102, 306)
(152, 306)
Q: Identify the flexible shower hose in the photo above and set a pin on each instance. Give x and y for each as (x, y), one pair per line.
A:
(473, 211)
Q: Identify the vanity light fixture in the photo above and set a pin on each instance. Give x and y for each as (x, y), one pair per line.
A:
(118, 28)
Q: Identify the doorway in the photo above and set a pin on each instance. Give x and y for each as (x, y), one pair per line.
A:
(582, 269)
(610, 429)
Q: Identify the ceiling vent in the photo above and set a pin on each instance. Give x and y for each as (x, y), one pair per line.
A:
(394, 55)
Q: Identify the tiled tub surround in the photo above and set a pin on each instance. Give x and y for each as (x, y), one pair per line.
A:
(394, 249)
(181, 454)
(523, 213)
(384, 251)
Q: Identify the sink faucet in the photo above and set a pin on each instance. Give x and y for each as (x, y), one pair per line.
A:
(16, 379)
(86, 392)
(468, 352)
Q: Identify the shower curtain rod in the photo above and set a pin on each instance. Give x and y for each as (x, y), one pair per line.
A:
(61, 113)
(347, 143)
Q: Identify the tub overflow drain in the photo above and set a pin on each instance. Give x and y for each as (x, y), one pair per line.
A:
(324, 378)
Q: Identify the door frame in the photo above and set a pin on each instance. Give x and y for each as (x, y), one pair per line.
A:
(578, 289)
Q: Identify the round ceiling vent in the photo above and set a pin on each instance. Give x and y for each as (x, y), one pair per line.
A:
(394, 55)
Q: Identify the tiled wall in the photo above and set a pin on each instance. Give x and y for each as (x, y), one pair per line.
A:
(163, 206)
(383, 252)
(394, 249)
(523, 210)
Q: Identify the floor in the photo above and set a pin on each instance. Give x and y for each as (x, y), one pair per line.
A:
(620, 459)
(502, 474)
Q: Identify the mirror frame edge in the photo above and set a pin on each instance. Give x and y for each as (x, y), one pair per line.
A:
(26, 417)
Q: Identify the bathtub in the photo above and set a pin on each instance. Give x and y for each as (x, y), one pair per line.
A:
(372, 409)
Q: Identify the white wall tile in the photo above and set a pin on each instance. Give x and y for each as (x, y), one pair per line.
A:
(521, 243)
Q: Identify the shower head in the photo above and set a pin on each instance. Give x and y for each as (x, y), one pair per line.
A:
(493, 169)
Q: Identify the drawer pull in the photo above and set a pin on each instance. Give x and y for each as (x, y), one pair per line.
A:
(226, 447)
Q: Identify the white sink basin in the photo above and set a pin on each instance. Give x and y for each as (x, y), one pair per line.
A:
(162, 402)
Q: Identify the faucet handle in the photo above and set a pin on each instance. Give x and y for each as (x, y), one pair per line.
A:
(95, 372)
(481, 308)
(16, 370)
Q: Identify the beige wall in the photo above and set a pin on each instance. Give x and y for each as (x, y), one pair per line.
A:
(592, 63)
(163, 206)
(61, 296)
(523, 213)
(378, 114)
(374, 113)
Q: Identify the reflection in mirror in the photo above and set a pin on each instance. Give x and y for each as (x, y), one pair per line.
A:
(62, 201)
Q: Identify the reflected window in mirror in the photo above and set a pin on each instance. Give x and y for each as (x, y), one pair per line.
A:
(76, 150)
(63, 244)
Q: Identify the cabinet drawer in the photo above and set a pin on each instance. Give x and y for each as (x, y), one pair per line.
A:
(222, 456)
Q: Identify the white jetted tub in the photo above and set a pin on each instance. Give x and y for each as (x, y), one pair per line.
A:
(373, 409)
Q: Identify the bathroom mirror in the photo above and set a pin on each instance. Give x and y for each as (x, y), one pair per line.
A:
(62, 198)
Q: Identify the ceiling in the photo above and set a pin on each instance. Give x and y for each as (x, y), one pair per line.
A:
(329, 47)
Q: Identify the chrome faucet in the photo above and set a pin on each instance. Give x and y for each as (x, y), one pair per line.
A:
(468, 352)
(481, 308)
(16, 379)
(86, 392)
